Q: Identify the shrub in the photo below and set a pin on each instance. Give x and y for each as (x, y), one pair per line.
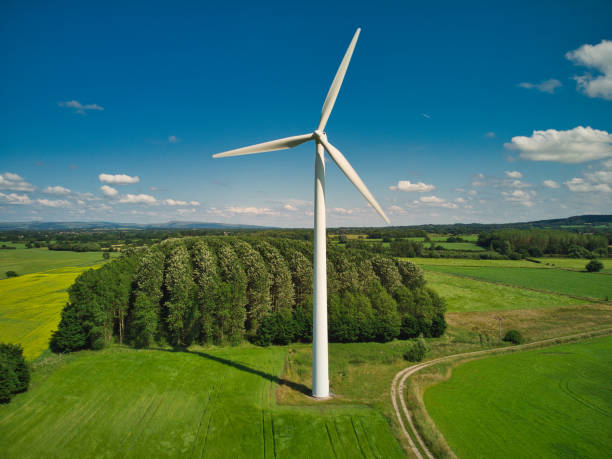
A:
(11, 274)
(594, 266)
(277, 328)
(513, 336)
(14, 371)
(417, 350)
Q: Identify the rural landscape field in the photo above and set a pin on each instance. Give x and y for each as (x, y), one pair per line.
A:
(245, 400)
(306, 230)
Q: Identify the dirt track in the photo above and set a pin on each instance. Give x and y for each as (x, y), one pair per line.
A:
(399, 381)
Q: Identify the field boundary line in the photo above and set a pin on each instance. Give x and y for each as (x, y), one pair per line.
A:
(399, 381)
(541, 290)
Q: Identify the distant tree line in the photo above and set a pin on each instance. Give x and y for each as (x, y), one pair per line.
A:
(222, 290)
(538, 242)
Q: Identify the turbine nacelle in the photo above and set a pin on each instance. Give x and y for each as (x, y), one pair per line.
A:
(319, 135)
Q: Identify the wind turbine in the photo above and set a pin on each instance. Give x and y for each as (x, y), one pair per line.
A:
(320, 369)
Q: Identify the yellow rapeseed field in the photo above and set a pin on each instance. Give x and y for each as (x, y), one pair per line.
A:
(30, 307)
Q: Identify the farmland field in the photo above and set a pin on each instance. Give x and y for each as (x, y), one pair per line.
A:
(466, 246)
(213, 403)
(463, 294)
(561, 281)
(574, 263)
(26, 261)
(551, 402)
(30, 307)
(424, 262)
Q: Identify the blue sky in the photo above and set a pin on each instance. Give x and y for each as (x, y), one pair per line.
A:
(450, 111)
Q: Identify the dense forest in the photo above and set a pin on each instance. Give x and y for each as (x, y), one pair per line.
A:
(538, 242)
(222, 290)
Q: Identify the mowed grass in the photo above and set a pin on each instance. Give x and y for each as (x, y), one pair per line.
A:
(574, 263)
(30, 307)
(590, 285)
(26, 261)
(424, 262)
(463, 295)
(215, 403)
(551, 402)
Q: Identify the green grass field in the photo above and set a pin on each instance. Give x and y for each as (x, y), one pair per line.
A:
(424, 262)
(465, 246)
(551, 402)
(462, 295)
(26, 261)
(574, 263)
(215, 403)
(30, 307)
(561, 281)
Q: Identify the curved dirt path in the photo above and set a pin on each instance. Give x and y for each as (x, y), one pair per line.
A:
(399, 382)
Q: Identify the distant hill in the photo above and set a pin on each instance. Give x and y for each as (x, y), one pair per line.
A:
(577, 222)
(65, 226)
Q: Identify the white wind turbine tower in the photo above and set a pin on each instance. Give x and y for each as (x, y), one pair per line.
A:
(320, 372)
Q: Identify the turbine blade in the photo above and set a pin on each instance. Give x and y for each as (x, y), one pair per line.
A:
(348, 170)
(273, 145)
(332, 94)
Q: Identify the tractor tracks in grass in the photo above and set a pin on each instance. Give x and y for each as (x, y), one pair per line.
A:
(406, 419)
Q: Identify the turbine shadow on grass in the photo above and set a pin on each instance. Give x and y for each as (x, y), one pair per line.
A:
(242, 367)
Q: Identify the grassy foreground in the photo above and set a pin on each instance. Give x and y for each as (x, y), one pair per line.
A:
(551, 402)
(30, 307)
(211, 403)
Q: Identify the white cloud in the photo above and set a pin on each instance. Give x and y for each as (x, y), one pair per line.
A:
(550, 184)
(137, 199)
(573, 146)
(174, 202)
(472, 192)
(56, 190)
(290, 208)
(406, 185)
(14, 198)
(598, 57)
(435, 201)
(80, 108)
(342, 211)
(173, 139)
(548, 86)
(579, 185)
(460, 200)
(516, 184)
(599, 177)
(514, 174)
(118, 179)
(425, 115)
(520, 196)
(10, 181)
(53, 203)
(490, 135)
(251, 210)
(478, 180)
(109, 190)
(185, 211)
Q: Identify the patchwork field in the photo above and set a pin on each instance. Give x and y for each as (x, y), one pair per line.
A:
(551, 402)
(463, 294)
(30, 307)
(26, 261)
(213, 403)
(590, 285)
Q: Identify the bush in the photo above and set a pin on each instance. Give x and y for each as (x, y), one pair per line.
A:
(277, 328)
(513, 336)
(14, 371)
(417, 351)
(11, 274)
(594, 266)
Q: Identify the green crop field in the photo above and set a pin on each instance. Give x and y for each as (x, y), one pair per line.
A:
(26, 261)
(30, 307)
(574, 263)
(463, 294)
(466, 246)
(424, 262)
(551, 402)
(561, 281)
(214, 403)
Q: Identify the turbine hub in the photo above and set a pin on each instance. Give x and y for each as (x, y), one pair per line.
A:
(319, 134)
